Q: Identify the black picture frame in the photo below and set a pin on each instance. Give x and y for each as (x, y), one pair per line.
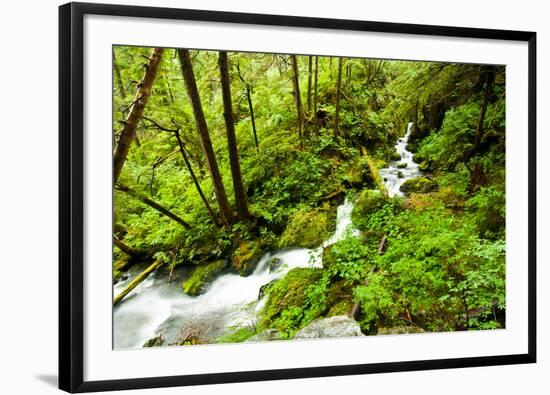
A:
(71, 195)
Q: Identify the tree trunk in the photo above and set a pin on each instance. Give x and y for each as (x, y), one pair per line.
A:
(315, 98)
(298, 99)
(350, 65)
(136, 281)
(487, 94)
(309, 78)
(241, 200)
(152, 204)
(118, 77)
(252, 119)
(194, 178)
(206, 144)
(136, 112)
(132, 252)
(338, 89)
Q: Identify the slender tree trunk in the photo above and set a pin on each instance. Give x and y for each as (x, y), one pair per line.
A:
(144, 199)
(252, 119)
(298, 99)
(132, 252)
(118, 77)
(309, 78)
(315, 93)
(206, 143)
(338, 94)
(194, 178)
(330, 67)
(136, 112)
(241, 200)
(486, 95)
(350, 65)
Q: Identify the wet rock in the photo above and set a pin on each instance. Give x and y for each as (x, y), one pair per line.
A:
(402, 165)
(337, 326)
(275, 264)
(395, 156)
(400, 174)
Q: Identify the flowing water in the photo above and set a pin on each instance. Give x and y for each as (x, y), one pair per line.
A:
(159, 307)
(393, 175)
(156, 307)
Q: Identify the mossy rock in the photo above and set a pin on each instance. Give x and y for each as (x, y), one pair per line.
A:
(418, 185)
(358, 173)
(402, 165)
(400, 174)
(285, 307)
(394, 156)
(202, 276)
(246, 256)
(307, 228)
(418, 158)
(424, 166)
(154, 341)
(367, 203)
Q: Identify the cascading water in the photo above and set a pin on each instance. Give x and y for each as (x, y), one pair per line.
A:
(396, 173)
(157, 307)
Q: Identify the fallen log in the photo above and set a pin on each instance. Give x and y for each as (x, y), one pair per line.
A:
(136, 281)
(132, 252)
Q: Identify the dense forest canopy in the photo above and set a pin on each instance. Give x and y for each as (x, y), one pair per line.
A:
(222, 157)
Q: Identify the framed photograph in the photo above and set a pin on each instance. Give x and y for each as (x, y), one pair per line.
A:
(253, 197)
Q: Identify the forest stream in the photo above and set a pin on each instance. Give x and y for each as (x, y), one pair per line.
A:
(159, 307)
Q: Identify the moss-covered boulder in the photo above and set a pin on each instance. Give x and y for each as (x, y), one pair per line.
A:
(307, 228)
(402, 165)
(367, 203)
(287, 307)
(400, 174)
(394, 156)
(202, 276)
(418, 185)
(246, 256)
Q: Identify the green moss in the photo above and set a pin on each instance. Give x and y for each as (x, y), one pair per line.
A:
(307, 228)
(402, 165)
(246, 256)
(418, 185)
(424, 166)
(339, 298)
(289, 306)
(236, 336)
(367, 203)
(394, 156)
(202, 275)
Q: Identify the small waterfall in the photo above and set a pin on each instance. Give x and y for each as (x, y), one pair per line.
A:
(396, 173)
(231, 300)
